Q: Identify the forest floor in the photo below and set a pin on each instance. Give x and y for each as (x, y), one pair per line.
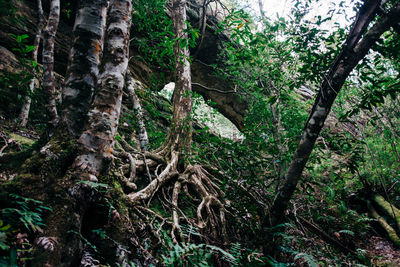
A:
(383, 252)
(380, 250)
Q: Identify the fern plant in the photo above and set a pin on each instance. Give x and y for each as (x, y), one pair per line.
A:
(27, 211)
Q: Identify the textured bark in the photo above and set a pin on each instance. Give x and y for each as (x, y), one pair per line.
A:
(48, 62)
(97, 140)
(137, 108)
(231, 105)
(26, 106)
(181, 133)
(65, 221)
(84, 60)
(352, 52)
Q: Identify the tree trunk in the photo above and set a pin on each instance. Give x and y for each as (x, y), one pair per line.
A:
(97, 140)
(181, 134)
(83, 67)
(65, 221)
(389, 229)
(26, 106)
(48, 63)
(137, 108)
(390, 209)
(352, 52)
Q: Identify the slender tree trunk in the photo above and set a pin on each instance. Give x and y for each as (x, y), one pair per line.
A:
(181, 134)
(261, 7)
(26, 106)
(48, 62)
(137, 108)
(353, 51)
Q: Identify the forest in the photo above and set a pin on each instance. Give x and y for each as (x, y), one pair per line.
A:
(199, 133)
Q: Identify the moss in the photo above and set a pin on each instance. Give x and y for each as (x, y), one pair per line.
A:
(118, 186)
(389, 209)
(24, 141)
(61, 150)
(14, 161)
(389, 230)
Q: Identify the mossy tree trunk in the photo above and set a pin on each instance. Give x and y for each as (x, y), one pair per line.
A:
(96, 141)
(389, 229)
(389, 209)
(60, 244)
(83, 67)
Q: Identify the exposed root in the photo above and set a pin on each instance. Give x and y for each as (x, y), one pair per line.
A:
(168, 173)
(198, 184)
(167, 182)
(5, 141)
(126, 146)
(201, 182)
(175, 216)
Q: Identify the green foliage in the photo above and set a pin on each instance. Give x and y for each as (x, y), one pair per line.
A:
(27, 212)
(13, 86)
(287, 241)
(95, 185)
(190, 254)
(155, 39)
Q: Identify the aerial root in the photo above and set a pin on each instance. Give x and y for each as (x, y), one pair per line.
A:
(168, 173)
(210, 211)
(201, 182)
(195, 182)
(175, 216)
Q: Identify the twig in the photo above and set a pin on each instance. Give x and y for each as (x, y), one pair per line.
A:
(213, 89)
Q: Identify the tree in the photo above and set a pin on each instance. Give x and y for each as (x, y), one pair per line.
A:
(177, 148)
(87, 143)
(48, 62)
(354, 50)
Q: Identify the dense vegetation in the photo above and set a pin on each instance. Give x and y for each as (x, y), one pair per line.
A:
(108, 172)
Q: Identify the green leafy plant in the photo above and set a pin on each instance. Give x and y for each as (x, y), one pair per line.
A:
(27, 212)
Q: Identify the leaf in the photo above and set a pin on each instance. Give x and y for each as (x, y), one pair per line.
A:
(29, 48)
(348, 232)
(240, 26)
(20, 38)
(272, 99)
